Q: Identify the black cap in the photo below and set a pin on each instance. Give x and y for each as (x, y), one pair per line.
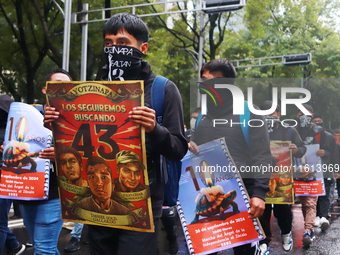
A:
(266, 105)
(317, 115)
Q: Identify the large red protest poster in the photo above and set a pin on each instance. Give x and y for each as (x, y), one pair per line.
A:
(281, 190)
(100, 154)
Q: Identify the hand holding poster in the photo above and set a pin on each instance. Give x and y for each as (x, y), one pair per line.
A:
(100, 154)
(308, 175)
(281, 180)
(24, 175)
(213, 202)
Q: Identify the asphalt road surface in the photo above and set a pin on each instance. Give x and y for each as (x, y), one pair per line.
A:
(327, 243)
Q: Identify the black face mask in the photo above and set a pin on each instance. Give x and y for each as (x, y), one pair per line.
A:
(272, 123)
(124, 63)
(305, 120)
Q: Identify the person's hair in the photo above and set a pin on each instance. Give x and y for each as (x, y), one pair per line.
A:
(132, 24)
(63, 149)
(197, 109)
(220, 65)
(266, 105)
(336, 131)
(125, 157)
(94, 160)
(317, 115)
(48, 77)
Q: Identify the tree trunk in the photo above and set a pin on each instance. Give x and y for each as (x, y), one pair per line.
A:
(30, 86)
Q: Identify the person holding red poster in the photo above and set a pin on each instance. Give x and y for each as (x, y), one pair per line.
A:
(282, 212)
(312, 134)
(126, 41)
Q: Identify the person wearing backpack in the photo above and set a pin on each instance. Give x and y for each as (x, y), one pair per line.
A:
(125, 42)
(247, 148)
(282, 212)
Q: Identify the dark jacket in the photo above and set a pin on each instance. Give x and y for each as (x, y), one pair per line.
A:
(167, 140)
(257, 155)
(333, 158)
(282, 134)
(5, 103)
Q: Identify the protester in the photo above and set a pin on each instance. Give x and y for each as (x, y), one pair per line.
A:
(43, 218)
(256, 155)
(194, 115)
(17, 212)
(331, 160)
(282, 212)
(124, 32)
(317, 119)
(311, 134)
(7, 238)
(74, 243)
(169, 223)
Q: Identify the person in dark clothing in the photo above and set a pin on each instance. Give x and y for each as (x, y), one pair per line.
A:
(313, 134)
(17, 212)
(282, 212)
(324, 202)
(194, 115)
(5, 102)
(125, 41)
(7, 238)
(43, 218)
(257, 154)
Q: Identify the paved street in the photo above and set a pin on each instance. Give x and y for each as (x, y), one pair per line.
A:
(325, 244)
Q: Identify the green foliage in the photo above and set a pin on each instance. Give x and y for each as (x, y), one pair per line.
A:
(262, 28)
(173, 63)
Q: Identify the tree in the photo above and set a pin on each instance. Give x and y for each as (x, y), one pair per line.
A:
(23, 45)
(186, 29)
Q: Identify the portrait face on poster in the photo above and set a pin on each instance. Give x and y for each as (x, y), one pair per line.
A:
(100, 154)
